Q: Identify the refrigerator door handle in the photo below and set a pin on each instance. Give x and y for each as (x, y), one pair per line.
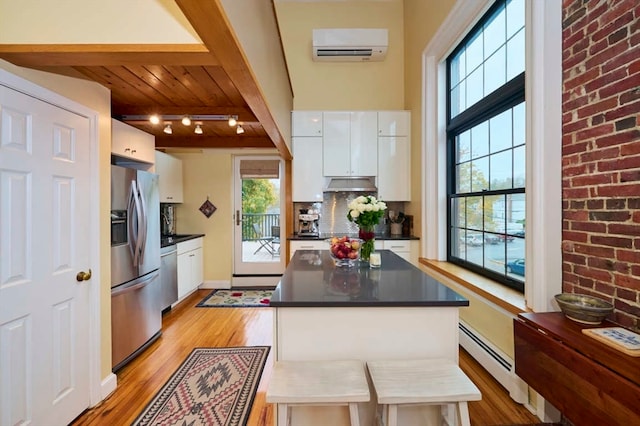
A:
(127, 288)
(143, 223)
(135, 229)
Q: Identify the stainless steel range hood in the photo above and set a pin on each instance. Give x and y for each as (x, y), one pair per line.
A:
(351, 184)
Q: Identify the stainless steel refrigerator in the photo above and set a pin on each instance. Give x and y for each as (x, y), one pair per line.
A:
(136, 317)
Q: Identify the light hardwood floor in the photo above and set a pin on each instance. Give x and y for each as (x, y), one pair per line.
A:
(187, 327)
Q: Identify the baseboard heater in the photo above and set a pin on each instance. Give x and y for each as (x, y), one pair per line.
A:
(498, 364)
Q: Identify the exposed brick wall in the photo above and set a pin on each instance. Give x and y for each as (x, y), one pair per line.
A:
(601, 153)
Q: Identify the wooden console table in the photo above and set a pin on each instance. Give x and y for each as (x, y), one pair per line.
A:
(588, 381)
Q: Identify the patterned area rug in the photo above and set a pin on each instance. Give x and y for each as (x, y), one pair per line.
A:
(237, 298)
(212, 387)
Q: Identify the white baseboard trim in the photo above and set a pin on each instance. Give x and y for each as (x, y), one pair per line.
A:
(215, 284)
(496, 362)
(108, 385)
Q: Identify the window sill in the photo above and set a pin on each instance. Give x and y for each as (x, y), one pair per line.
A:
(506, 298)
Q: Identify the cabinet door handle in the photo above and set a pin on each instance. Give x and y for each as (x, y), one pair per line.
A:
(133, 151)
(127, 149)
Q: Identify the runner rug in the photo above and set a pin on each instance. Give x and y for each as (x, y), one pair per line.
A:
(212, 387)
(237, 298)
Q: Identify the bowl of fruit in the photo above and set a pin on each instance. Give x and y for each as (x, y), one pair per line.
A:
(345, 251)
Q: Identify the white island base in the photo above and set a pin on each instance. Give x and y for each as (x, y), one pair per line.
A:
(365, 333)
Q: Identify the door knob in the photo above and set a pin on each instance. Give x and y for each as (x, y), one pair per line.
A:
(83, 276)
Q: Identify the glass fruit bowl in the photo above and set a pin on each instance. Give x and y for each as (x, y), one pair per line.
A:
(344, 251)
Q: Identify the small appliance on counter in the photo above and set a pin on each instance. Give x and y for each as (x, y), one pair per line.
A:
(167, 220)
(308, 223)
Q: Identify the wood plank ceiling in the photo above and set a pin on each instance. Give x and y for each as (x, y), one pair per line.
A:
(175, 80)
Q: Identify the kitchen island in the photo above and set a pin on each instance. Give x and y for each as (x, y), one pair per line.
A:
(323, 312)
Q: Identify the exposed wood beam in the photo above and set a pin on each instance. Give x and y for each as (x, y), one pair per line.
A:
(218, 142)
(210, 23)
(34, 55)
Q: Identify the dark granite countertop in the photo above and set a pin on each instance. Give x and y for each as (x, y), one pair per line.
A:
(312, 280)
(324, 236)
(166, 240)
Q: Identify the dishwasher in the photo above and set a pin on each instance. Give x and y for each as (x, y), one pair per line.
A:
(168, 276)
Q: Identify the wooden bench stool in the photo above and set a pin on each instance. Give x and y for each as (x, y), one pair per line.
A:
(296, 383)
(422, 382)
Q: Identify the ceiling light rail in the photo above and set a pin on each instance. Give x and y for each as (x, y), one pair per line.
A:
(211, 117)
(186, 120)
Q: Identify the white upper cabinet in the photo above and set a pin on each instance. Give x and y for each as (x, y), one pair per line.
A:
(394, 123)
(364, 146)
(169, 170)
(394, 168)
(306, 123)
(350, 143)
(307, 179)
(394, 155)
(306, 144)
(336, 144)
(131, 143)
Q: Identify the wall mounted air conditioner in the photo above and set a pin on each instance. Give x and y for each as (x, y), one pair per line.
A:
(350, 44)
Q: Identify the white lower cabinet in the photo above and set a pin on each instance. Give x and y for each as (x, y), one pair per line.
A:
(406, 249)
(307, 245)
(190, 266)
(403, 248)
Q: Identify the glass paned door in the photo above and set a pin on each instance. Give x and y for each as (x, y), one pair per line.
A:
(258, 203)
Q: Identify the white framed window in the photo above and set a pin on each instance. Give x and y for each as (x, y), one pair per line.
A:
(543, 119)
(486, 155)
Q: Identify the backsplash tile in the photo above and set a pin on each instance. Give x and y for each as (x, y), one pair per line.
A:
(333, 213)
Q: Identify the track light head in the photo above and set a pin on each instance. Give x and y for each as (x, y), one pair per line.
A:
(232, 121)
(167, 129)
(239, 130)
(186, 120)
(154, 119)
(198, 130)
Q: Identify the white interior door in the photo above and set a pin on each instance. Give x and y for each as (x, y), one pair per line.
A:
(44, 217)
(258, 202)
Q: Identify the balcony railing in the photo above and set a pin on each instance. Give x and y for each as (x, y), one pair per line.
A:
(265, 222)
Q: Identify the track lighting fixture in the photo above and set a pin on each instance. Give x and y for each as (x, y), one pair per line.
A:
(186, 120)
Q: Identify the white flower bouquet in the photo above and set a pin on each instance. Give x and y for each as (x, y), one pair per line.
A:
(366, 212)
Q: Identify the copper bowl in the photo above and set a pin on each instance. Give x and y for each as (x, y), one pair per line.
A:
(582, 308)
